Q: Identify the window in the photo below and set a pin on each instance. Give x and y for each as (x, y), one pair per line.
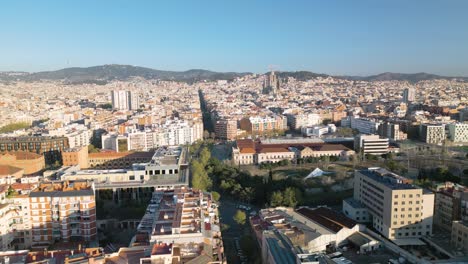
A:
(132, 177)
(396, 196)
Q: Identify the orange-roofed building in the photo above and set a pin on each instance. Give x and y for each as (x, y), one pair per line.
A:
(30, 162)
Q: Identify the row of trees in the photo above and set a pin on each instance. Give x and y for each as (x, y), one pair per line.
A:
(289, 197)
(200, 168)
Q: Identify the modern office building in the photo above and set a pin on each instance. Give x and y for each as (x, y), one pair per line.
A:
(458, 132)
(166, 169)
(124, 100)
(400, 211)
(432, 133)
(371, 144)
(63, 211)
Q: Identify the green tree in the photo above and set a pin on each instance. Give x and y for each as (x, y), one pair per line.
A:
(240, 217)
(276, 199)
(289, 198)
(205, 156)
(200, 178)
(215, 196)
(92, 149)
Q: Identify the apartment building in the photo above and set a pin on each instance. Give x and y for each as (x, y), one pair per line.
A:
(409, 95)
(432, 133)
(391, 131)
(304, 120)
(371, 144)
(260, 125)
(49, 147)
(459, 236)
(458, 132)
(399, 210)
(171, 133)
(63, 211)
(76, 156)
(125, 100)
(77, 134)
(182, 218)
(363, 125)
(226, 129)
(451, 204)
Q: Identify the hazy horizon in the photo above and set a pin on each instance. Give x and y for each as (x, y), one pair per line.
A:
(355, 38)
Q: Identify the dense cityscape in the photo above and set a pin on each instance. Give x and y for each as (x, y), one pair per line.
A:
(321, 170)
(234, 132)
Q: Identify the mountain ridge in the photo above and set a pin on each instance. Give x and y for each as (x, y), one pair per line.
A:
(104, 73)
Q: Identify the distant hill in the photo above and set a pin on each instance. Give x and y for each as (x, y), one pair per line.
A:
(301, 75)
(387, 76)
(105, 73)
(410, 77)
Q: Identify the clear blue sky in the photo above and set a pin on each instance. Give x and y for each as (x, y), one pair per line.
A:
(335, 37)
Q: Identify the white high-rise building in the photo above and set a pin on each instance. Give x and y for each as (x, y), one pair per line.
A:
(124, 100)
(409, 95)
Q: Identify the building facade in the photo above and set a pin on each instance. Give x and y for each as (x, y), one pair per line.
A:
(226, 129)
(49, 147)
(63, 211)
(399, 209)
(31, 163)
(458, 132)
(124, 100)
(371, 144)
(432, 133)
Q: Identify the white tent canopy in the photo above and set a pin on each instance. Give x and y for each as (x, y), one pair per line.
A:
(316, 173)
